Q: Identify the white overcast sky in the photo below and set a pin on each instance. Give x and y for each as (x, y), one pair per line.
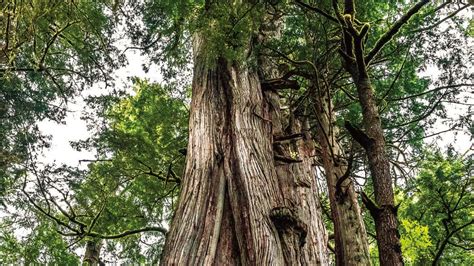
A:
(74, 128)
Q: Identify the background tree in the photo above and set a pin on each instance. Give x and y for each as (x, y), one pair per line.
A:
(48, 53)
(120, 195)
(441, 200)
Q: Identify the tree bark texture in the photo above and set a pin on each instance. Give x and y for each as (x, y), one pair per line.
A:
(294, 154)
(92, 254)
(383, 211)
(350, 236)
(300, 194)
(239, 203)
(231, 209)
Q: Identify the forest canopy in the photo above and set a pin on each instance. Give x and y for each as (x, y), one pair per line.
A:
(236, 132)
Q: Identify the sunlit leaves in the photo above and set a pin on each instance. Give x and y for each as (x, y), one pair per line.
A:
(415, 240)
(135, 179)
(42, 246)
(442, 200)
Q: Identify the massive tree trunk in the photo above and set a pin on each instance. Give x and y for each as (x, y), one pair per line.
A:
(92, 254)
(351, 244)
(230, 186)
(234, 209)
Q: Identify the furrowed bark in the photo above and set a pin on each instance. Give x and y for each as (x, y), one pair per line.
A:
(233, 208)
(299, 222)
(306, 239)
(230, 185)
(92, 253)
(351, 246)
(385, 217)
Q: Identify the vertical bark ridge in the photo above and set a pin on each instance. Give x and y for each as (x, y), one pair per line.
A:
(254, 190)
(228, 248)
(298, 219)
(317, 251)
(229, 158)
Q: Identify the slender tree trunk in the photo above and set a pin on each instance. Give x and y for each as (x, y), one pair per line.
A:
(372, 140)
(349, 229)
(92, 254)
(384, 212)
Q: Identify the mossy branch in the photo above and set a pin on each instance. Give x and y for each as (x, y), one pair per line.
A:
(279, 84)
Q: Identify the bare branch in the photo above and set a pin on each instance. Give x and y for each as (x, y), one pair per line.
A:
(317, 10)
(359, 135)
(130, 232)
(429, 91)
(279, 84)
(286, 159)
(440, 21)
(52, 40)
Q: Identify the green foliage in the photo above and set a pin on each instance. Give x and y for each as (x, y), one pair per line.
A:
(42, 246)
(442, 201)
(470, 28)
(49, 50)
(131, 185)
(415, 241)
(135, 179)
(165, 30)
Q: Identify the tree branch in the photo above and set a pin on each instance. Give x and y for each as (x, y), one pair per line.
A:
(286, 159)
(317, 10)
(421, 117)
(279, 84)
(370, 205)
(359, 135)
(429, 91)
(439, 21)
(387, 36)
(52, 40)
(288, 137)
(130, 232)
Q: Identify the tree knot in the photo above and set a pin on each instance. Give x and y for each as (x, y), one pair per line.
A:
(286, 221)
